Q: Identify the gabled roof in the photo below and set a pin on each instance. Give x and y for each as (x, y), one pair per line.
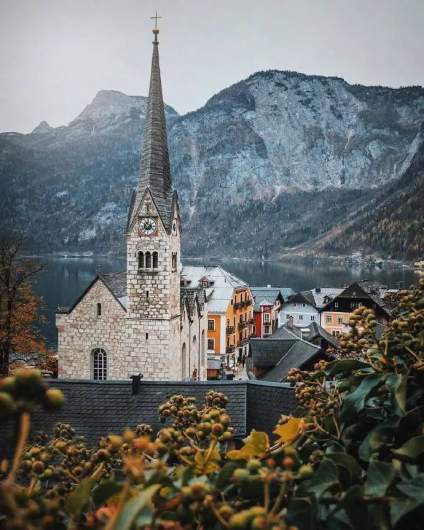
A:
(115, 282)
(222, 284)
(366, 289)
(267, 352)
(265, 296)
(301, 353)
(315, 297)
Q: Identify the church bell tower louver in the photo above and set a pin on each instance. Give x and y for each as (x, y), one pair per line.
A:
(153, 244)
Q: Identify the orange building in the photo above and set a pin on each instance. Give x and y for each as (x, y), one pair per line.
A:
(230, 312)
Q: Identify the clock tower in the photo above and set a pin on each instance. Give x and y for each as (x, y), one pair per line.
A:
(153, 247)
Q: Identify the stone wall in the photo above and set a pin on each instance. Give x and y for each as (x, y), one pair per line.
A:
(80, 331)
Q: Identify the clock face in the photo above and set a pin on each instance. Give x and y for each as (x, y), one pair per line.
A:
(148, 226)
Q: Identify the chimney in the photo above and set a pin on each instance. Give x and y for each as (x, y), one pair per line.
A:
(317, 289)
(269, 286)
(290, 320)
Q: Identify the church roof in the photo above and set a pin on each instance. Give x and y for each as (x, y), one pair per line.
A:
(155, 173)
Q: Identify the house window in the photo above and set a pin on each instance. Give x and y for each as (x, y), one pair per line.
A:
(211, 325)
(339, 320)
(312, 318)
(328, 319)
(267, 329)
(155, 260)
(141, 260)
(211, 344)
(99, 364)
(99, 309)
(148, 260)
(336, 305)
(300, 317)
(266, 317)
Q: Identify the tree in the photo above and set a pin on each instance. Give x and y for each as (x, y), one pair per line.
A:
(19, 306)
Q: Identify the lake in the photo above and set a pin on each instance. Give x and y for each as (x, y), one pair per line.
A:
(64, 279)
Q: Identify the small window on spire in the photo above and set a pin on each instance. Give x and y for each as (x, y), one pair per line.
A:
(99, 309)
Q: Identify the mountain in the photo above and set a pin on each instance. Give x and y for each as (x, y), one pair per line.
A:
(277, 162)
(393, 224)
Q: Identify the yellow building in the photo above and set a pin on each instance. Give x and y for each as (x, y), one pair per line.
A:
(230, 312)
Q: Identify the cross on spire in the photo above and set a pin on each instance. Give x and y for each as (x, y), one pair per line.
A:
(155, 18)
(155, 29)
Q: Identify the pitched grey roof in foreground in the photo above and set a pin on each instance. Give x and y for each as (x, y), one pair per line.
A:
(267, 352)
(97, 408)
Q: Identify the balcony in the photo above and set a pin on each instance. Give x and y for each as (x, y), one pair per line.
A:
(238, 305)
(230, 330)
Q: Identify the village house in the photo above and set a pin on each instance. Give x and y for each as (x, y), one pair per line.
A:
(141, 321)
(306, 306)
(268, 303)
(230, 312)
(337, 312)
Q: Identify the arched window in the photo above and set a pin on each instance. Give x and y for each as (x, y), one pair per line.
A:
(184, 361)
(155, 260)
(99, 364)
(148, 260)
(141, 260)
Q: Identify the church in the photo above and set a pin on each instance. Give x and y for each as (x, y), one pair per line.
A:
(141, 321)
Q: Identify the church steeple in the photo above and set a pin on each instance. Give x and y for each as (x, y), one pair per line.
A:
(155, 174)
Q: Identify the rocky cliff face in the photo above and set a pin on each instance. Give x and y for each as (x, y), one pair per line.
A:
(270, 163)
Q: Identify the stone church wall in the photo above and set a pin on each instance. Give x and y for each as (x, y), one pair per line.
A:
(81, 331)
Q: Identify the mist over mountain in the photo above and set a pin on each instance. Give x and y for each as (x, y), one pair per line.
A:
(276, 163)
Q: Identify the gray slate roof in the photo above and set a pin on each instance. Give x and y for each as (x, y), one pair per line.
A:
(155, 173)
(269, 294)
(297, 356)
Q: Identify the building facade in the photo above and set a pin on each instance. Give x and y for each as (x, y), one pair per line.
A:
(141, 321)
(306, 307)
(268, 302)
(337, 312)
(230, 312)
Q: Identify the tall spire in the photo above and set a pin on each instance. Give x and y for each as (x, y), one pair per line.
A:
(155, 171)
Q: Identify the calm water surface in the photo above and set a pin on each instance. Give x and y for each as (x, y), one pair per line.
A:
(63, 280)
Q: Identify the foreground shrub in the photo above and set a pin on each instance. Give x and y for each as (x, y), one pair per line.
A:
(352, 459)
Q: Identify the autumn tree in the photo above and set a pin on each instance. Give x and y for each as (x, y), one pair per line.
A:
(19, 306)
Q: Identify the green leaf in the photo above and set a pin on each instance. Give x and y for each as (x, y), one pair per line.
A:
(379, 478)
(78, 498)
(324, 478)
(374, 440)
(411, 449)
(104, 491)
(414, 488)
(355, 401)
(223, 479)
(302, 513)
(348, 462)
(397, 383)
(134, 506)
(345, 366)
(401, 507)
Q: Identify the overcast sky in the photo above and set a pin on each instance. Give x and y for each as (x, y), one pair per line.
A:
(56, 54)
